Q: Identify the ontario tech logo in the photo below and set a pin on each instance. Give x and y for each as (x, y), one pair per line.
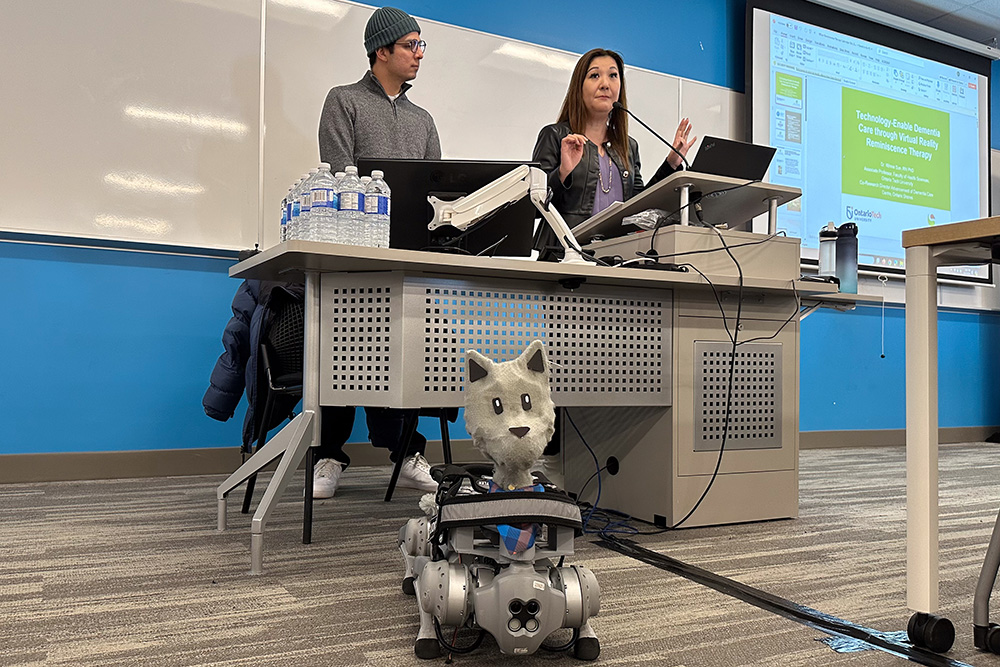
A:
(930, 219)
(862, 215)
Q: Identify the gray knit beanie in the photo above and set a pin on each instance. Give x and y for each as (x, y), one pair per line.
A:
(387, 25)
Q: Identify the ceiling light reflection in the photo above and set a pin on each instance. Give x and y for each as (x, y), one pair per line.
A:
(534, 54)
(147, 226)
(144, 183)
(200, 122)
(315, 6)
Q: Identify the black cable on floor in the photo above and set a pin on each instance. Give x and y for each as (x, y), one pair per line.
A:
(777, 605)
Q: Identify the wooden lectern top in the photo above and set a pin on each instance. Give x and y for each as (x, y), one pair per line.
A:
(955, 232)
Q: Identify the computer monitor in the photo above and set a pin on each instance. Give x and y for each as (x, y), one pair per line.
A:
(506, 233)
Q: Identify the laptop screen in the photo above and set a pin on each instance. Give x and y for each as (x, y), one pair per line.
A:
(735, 159)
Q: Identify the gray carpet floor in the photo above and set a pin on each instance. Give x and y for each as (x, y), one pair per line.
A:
(133, 572)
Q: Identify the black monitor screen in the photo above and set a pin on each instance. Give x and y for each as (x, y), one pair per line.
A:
(506, 233)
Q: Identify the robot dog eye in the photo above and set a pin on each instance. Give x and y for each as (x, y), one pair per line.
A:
(525, 402)
(497, 406)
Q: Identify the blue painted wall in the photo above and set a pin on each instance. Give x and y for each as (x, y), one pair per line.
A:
(995, 106)
(107, 350)
(846, 384)
(701, 40)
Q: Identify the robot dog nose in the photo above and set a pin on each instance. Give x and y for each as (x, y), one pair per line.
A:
(519, 431)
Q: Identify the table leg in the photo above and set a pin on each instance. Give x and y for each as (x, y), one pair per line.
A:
(772, 215)
(297, 441)
(308, 432)
(685, 194)
(921, 431)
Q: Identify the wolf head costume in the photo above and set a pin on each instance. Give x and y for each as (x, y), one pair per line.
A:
(509, 412)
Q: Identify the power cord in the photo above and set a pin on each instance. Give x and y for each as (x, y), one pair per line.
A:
(618, 522)
(620, 525)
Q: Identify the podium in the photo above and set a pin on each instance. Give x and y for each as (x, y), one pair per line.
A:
(723, 200)
(662, 477)
(639, 359)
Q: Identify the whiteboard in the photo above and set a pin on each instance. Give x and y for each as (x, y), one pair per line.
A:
(156, 122)
(131, 120)
(489, 95)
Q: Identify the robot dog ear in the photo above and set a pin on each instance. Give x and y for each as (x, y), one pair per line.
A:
(478, 366)
(534, 356)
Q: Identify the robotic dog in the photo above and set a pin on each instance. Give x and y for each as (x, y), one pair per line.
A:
(483, 558)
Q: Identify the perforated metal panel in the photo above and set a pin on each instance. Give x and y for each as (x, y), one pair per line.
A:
(358, 319)
(755, 412)
(406, 337)
(499, 324)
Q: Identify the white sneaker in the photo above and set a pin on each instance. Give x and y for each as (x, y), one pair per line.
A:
(416, 474)
(326, 478)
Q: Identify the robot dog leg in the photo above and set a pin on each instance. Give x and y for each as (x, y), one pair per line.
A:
(414, 541)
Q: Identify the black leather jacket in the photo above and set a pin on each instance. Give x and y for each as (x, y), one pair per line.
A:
(574, 197)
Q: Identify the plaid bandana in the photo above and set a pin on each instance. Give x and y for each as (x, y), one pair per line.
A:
(520, 537)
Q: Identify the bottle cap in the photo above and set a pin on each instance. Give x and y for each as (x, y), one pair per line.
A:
(340, 174)
(324, 165)
(847, 229)
(351, 169)
(828, 232)
(377, 173)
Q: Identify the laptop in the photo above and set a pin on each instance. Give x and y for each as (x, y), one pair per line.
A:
(716, 157)
(735, 159)
(506, 233)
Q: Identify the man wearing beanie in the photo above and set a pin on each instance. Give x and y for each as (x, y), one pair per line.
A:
(374, 119)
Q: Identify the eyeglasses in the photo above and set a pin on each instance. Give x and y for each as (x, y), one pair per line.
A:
(414, 44)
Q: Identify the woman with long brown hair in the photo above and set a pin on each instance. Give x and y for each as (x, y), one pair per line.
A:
(587, 153)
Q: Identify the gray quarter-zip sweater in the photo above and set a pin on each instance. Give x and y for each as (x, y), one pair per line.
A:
(359, 120)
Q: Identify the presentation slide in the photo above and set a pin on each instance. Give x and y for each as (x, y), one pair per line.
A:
(874, 136)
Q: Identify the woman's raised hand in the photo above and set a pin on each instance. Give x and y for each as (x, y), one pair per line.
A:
(571, 152)
(683, 141)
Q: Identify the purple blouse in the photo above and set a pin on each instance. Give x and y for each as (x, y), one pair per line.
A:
(603, 199)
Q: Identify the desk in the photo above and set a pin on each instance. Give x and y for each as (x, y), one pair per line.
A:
(638, 348)
(960, 243)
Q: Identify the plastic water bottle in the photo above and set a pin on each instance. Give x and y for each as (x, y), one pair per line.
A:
(338, 228)
(847, 257)
(294, 229)
(377, 202)
(287, 215)
(828, 250)
(351, 217)
(306, 232)
(323, 211)
(366, 234)
(283, 231)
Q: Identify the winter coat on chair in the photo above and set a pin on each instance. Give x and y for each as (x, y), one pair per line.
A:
(235, 372)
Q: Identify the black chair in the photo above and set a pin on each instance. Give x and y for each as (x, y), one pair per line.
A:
(445, 415)
(279, 371)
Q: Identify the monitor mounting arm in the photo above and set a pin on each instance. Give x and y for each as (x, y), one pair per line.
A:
(520, 181)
